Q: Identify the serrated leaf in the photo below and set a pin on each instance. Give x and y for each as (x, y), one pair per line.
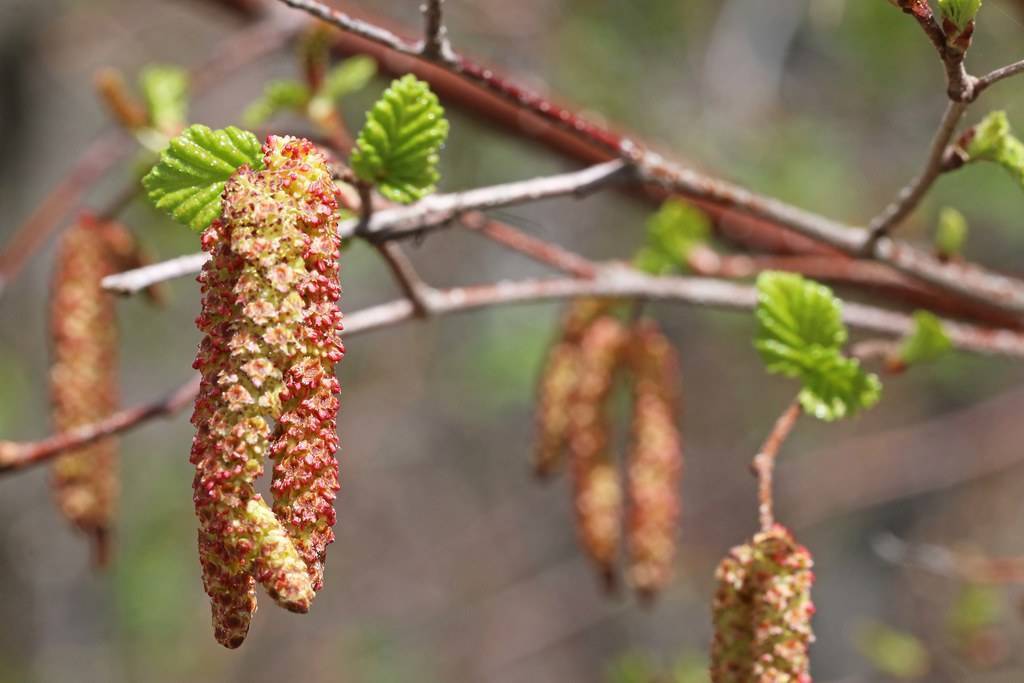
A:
(672, 233)
(277, 96)
(348, 77)
(397, 149)
(165, 89)
(960, 12)
(188, 180)
(951, 233)
(800, 334)
(927, 342)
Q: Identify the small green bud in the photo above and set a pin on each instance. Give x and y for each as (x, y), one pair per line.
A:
(959, 12)
(951, 233)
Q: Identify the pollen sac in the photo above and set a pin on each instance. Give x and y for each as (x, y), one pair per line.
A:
(272, 324)
(557, 382)
(83, 376)
(597, 492)
(654, 461)
(762, 612)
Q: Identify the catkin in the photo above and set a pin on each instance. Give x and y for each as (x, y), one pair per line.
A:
(597, 494)
(762, 612)
(654, 460)
(271, 325)
(557, 382)
(83, 375)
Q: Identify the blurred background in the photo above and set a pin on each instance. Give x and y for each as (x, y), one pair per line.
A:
(451, 564)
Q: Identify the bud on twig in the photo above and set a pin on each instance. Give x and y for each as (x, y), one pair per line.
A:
(762, 612)
(654, 461)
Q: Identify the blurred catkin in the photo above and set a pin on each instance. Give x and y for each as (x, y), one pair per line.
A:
(558, 380)
(597, 492)
(83, 376)
(762, 612)
(654, 461)
(271, 323)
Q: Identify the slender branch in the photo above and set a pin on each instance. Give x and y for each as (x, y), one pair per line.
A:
(435, 40)
(910, 196)
(539, 250)
(15, 456)
(763, 465)
(612, 281)
(999, 74)
(960, 84)
(430, 213)
(949, 563)
(409, 281)
(138, 279)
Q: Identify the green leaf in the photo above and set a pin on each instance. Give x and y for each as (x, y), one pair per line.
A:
(977, 607)
(960, 12)
(188, 180)
(672, 233)
(350, 76)
(165, 89)
(277, 96)
(927, 342)
(993, 141)
(951, 233)
(397, 149)
(800, 335)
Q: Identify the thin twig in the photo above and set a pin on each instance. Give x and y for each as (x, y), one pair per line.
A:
(409, 281)
(764, 463)
(943, 561)
(612, 281)
(960, 84)
(910, 196)
(435, 40)
(537, 249)
(430, 213)
(999, 74)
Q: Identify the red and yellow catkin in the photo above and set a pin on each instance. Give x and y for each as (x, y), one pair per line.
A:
(654, 461)
(83, 376)
(271, 322)
(597, 493)
(558, 380)
(762, 612)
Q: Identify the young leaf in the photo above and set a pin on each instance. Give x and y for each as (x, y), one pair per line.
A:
(672, 233)
(800, 335)
(165, 89)
(927, 342)
(277, 96)
(397, 148)
(960, 12)
(350, 76)
(993, 140)
(951, 233)
(188, 180)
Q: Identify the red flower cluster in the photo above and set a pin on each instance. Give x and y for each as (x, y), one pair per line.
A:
(83, 376)
(762, 612)
(271, 320)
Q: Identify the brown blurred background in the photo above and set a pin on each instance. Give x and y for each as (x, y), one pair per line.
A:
(451, 564)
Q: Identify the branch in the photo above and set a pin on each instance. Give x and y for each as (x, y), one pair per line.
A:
(435, 41)
(539, 250)
(960, 84)
(763, 465)
(430, 213)
(999, 74)
(910, 196)
(611, 281)
(409, 281)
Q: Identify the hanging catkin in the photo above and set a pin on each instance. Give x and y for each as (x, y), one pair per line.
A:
(654, 461)
(597, 492)
(762, 612)
(83, 376)
(271, 324)
(558, 380)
